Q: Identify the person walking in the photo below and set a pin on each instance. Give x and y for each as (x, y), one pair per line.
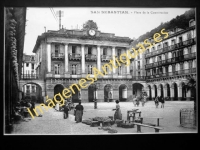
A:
(118, 114)
(66, 109)
(162, 102)
(156, 102)
(79, 112)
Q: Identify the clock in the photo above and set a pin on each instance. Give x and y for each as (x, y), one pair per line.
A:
(92, 32)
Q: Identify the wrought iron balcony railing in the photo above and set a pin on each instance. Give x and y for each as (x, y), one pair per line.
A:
(29, 76)
(57, 55)
(73, 56)
(90, 57)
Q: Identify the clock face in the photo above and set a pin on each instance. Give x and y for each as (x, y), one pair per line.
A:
(92, 32)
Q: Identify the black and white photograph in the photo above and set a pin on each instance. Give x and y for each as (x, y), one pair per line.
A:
(100, 70)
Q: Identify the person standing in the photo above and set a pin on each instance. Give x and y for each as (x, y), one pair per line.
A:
(118, 114)
(156, 102)
(162, 102)
(79, 112)
(66, 109)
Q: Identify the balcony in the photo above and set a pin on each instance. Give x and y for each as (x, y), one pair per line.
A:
(29, 76)
(149, 65)
(106, 57)
(172, 47)
(140, 78)
(57, 55)
(73, 56)
(168, 74)
(90, 57)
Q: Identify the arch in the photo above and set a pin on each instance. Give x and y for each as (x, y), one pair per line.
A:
(150, 95)
(155, 90)
(183, 90)
(58, 88)
(108, 92)
(175, 87)
(30, 94)
(137, 89)
(167, 87)
(91, 93)
(123, 92)
(170, 68)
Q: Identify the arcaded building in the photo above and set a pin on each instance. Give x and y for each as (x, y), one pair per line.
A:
(65, 56)
(169, 63)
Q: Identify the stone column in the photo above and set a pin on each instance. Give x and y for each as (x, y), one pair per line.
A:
(159, 92)
(172, 93)
(83, 58)
(98, 58)
(153, 93)
(66, 59)
(180, 93)
(49, 57)
(113, 54)
(128, 67)
(165, 92)
(188, 95)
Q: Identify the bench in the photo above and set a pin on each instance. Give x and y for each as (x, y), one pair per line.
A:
(157, 129)
(158, 118)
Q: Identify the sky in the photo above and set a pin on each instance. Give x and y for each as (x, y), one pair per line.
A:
(134, 23)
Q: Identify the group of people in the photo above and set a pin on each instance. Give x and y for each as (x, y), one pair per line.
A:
(159, 99)
(136, 101)
(78, 111)
(20, 108)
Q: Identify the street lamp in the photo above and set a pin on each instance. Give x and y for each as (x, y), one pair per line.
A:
(95, 87)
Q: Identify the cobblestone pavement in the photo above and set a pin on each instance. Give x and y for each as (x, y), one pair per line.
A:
(52, 122)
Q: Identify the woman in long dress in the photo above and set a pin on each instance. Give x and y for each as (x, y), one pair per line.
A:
(118, 114)
(57, 106)
(78, 113)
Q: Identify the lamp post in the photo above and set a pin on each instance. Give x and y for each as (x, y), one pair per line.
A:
(95, 87)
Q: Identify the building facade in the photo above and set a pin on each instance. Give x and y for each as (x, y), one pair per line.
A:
(169, 63)
(65, 56)
(15, 20)
(30, 90)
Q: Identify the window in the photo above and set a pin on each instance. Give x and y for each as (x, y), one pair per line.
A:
(185, 51)
(138, 73)
(170, 68)
(33, 88)
(120, 70)
(56, 50)
(189, 36)
(57, 68)
(90, 69)
(32, 66)
(159, 47)
(138, 64)
(27, 64)
(73, 49)
(147, 51)
(73, 68)
(32, 58)
(89, 50)
(173, 42)
(166, 44)
(180, 39)
(119, 52)
(104, 51)
(153, 48)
